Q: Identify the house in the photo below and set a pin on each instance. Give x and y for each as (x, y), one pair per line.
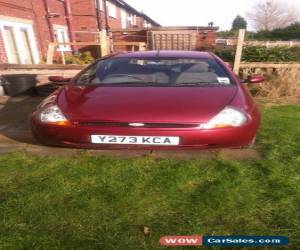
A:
(27, 26)
(113, 14)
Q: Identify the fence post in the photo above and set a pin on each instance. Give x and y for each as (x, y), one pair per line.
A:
(104, 43)
(239, 51)
(50, 53)
(63, 59)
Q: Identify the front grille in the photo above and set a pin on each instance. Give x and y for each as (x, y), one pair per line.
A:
(146, 125)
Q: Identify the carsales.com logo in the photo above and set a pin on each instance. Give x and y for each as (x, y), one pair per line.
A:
(198, 240)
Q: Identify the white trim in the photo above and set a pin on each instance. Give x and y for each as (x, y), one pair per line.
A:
(16, 26)
(57, 26)
(15, 19)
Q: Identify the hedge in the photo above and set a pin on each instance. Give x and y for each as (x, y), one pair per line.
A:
(263, 54)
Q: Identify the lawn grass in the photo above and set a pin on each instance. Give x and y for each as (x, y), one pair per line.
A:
(103, 203)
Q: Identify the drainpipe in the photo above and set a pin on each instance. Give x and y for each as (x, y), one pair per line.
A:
(48, 18)
(68, 14)
(106, 17)
(98, 16)
(38, 30)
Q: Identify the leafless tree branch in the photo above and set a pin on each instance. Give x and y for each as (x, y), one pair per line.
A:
(272, 14)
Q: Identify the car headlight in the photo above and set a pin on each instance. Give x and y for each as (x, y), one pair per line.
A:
(228, 117)
(52, 114)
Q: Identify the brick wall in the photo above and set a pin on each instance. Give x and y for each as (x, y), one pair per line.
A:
(84, 20)
(140, 22)
(206, 39)
(41, 24)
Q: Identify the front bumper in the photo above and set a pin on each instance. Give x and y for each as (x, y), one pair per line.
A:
(192, 138)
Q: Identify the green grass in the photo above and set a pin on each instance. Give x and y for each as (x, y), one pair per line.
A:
(104, 203)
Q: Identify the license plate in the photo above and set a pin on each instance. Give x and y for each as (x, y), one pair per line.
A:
(135, 140)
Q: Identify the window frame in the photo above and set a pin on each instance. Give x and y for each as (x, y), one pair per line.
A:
(111, 9)
(124, 19)
(64, 35)
(20, 46)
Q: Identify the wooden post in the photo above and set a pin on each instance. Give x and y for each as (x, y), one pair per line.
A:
(50, 53)
(63, 59)
(104, 43)
(152, 41)
(239, 51)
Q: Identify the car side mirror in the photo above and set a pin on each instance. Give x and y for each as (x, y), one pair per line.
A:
(255, 79)
(58, 79)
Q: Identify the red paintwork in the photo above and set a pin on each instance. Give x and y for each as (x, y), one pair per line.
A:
(180, 105)
(143, 104)
(58, 79)
(256, 79)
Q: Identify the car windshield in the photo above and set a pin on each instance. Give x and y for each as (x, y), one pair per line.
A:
(160, 72)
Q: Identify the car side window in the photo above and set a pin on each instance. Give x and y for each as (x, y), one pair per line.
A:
(87, 76)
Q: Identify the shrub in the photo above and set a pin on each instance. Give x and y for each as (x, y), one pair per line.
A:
(81, 58)
(263, 54)
(227, 55)
(280, 82)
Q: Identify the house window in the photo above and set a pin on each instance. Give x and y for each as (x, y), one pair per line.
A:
(26, 40)
(61, 35)
(11, 45)
(124, 19)
(147, 25)
(112, 10)
(19, 42)
(134, 20)
(101, 6)
(130, 20)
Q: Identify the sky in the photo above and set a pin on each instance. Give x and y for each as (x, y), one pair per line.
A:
(196, 12)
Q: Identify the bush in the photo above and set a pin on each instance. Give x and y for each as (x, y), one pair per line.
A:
(227, 55)
(275, 54)
(280, 82)
(82, 58)
(263, 54)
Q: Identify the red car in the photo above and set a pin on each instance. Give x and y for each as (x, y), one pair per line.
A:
(150, 100)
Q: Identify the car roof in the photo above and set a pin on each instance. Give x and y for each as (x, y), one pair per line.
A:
(166, 54)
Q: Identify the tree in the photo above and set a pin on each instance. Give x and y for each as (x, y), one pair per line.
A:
(272, 14)
(239, 23)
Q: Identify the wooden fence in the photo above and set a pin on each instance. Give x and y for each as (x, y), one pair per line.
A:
(230, 42)
(270, 44)
(270, 65)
